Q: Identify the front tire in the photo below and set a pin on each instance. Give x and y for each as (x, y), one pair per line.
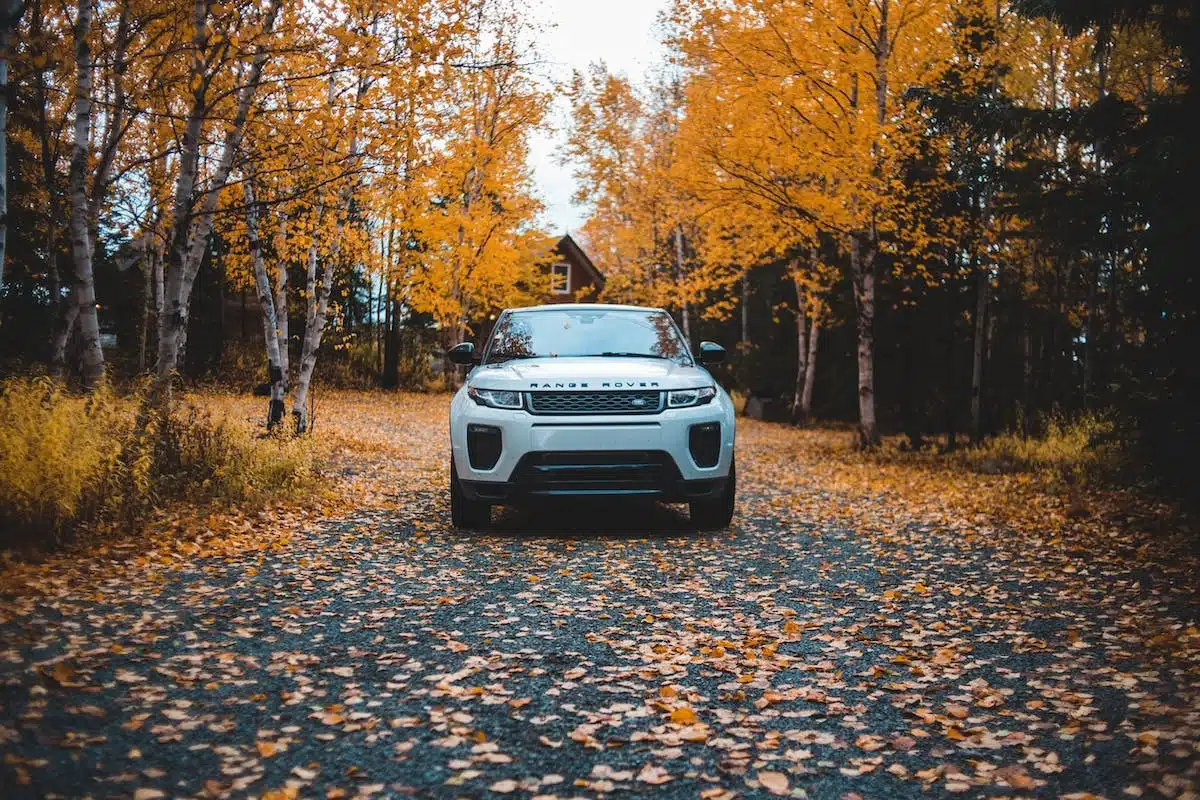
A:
(465, 513)
(716, 513)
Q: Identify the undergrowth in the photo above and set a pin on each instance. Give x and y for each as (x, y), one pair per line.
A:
(1068, 453)
(70, 462)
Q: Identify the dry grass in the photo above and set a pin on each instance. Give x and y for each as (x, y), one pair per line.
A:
(70, 462)
(1059, 486)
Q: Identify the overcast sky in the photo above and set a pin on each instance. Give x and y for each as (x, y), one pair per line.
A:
(622, 33)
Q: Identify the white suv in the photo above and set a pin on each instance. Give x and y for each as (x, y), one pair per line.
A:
(587, 400)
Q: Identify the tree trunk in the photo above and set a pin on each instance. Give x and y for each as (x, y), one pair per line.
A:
(746, 310)
(862, 278)
(810, 371)
(267, 302)
(281, 319)
(686, 315)
(147, 300)
(191, 232)
(68, 312)
(801, 347)
(10, 15)
(391, 346)
(7, 23)
(84, 289)
(981, 302)
(314, 328)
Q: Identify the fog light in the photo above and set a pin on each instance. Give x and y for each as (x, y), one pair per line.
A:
(484, 445)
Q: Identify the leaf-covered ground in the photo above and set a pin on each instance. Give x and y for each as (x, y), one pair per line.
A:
(862, 630)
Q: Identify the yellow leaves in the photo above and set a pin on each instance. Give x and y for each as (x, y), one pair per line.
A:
(267, 748)
(330, 715)
(684, 715)
(287, 793)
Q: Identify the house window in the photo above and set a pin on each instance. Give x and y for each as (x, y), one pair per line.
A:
(560, 279)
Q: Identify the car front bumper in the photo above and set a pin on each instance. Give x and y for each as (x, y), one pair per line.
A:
(616, 455)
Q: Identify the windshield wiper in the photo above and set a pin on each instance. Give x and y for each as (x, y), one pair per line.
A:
(496, 358)
(630, 355)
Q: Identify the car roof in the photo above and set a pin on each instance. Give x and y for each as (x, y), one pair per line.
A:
(585, 307)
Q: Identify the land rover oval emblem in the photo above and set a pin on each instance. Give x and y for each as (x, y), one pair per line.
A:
(638, 402)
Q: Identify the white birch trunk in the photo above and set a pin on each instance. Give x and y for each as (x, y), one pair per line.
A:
(314, 329)
(173, 318)
(84, 289)
(862, 277)
(810, 371)
(190, 236)
(267, 301)
(281, 317)
(801, 345)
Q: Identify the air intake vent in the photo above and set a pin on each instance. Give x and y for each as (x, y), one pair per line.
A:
(704, 441)
(484, 445)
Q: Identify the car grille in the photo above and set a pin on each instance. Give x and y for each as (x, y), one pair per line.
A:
(595, 402)
(606, 472)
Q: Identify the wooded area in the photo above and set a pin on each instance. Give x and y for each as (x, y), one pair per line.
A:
(349, 163)
(968, 214)
(939, 218)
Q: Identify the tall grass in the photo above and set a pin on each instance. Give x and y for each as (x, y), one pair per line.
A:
(58, 456)
(1075, 448)
(69, 462)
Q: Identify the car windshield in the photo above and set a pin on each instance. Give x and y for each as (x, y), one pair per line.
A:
(598, 332)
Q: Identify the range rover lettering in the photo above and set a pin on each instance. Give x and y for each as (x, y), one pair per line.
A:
(590, 400)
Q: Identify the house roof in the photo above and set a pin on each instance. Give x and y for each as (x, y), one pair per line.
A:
(570, 250)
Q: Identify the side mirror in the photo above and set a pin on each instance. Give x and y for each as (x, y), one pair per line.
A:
(711, 353)
(462, 354)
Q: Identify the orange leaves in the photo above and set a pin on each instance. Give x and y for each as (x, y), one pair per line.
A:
(684, 715)
(330, 715)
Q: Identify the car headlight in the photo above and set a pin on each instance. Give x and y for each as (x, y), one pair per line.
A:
(683, 398)
(495, 398)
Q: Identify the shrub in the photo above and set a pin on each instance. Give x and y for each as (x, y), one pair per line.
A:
(59, 455)
(1072, 448)
(68, 461)
(201, 458)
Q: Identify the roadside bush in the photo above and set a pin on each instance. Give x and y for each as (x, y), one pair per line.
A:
(101, 461)
(59, 456)
(202, 458)
(1072, 448)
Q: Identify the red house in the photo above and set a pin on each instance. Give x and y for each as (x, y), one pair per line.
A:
(572, 276)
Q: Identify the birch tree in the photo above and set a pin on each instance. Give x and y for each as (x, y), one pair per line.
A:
(84, 285)
(272, 334)
(195, 201)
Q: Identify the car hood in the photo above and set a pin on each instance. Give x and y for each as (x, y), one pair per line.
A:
(589, 374)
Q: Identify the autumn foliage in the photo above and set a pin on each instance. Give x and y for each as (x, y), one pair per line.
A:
(952, 197)
(71, 464)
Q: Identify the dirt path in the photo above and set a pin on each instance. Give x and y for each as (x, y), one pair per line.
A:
(595, 649)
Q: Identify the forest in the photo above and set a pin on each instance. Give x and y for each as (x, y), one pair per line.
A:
(942, 220)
